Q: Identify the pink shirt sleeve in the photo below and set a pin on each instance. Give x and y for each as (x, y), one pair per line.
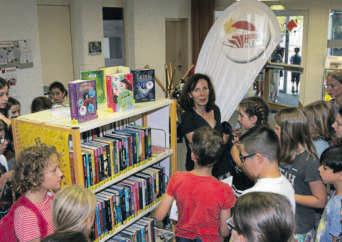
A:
(26, 224)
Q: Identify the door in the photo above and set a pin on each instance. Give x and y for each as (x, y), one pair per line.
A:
(55, 44)
(292, 38)
(177, 46)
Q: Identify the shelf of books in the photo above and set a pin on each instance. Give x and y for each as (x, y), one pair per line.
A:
(107, 235)
(124, 157)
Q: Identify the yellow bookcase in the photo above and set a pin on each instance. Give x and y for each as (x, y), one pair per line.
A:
(54, 127)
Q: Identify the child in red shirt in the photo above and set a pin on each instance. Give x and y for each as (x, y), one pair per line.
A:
(203, 202)
(36, 173)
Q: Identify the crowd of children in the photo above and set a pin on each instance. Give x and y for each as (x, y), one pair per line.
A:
(280, 175)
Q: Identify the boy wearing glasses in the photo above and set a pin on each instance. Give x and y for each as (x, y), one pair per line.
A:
(203, 202)
(259, 155)
(330, 226)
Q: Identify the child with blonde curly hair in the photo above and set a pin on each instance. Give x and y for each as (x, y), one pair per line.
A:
(36, 173)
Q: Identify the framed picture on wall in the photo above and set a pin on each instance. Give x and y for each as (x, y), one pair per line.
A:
(94, 48)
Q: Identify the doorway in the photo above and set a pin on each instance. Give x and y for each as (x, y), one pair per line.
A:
(55, 44)
(292, 32)
(113, 31)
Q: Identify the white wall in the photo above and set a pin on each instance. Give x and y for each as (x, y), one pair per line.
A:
(145, 31)
(314, 44)
(18, 21)
(86, 25)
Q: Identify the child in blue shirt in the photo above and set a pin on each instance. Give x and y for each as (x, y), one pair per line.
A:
(330, 226)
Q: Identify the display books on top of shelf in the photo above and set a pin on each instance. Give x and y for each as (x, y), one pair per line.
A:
(112, 70)
(119, 91)
(144, 85)
(96, 75)
(82, 97)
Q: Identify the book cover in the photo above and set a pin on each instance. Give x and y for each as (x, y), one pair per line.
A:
(144, 85)
(120, 91)
(100, 87)
(82, 96)
(112, 70)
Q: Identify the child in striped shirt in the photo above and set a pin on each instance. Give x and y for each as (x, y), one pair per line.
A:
(36, 173)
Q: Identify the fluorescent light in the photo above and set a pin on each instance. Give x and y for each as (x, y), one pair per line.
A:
(277, 7)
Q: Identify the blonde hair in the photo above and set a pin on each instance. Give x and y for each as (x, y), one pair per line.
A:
(73, 208)
(294, 131)
(320, 118)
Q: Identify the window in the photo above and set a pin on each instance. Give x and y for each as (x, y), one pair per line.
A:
(335, 33)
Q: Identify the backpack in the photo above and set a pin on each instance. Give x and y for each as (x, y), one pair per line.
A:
(7, 232)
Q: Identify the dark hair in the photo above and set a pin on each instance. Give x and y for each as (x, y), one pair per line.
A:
(332, 158)
(207, 146)
(12, 101)
(264, 217)
(29, 169)
(294, 131)
(186, 102)
(66, 237)
(262, 140)
(3, 83)
(40, 104)
(58, 85)
(256, 106)
(297, 49)
(336, 75)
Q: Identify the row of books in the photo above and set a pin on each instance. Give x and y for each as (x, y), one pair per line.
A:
(141, 231)
(119, 203)
(114, 152)
(119, 87)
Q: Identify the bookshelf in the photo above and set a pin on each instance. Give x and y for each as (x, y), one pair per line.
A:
(54, 127)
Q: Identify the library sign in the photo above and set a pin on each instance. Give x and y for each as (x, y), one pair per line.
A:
(236, 48)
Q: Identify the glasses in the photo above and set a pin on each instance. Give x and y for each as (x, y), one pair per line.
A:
(244, 157)
(230, 224)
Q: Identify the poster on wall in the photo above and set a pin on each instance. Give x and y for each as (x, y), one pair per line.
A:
(16, 53)
(94, 48)
(235, 50)
(10, 75)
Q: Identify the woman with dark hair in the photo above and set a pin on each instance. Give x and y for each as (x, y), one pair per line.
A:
(262, 217)
(198, 102)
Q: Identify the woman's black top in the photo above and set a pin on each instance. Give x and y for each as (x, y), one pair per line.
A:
(190, 121)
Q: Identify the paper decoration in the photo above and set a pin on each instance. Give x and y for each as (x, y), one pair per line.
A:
(236, 49)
